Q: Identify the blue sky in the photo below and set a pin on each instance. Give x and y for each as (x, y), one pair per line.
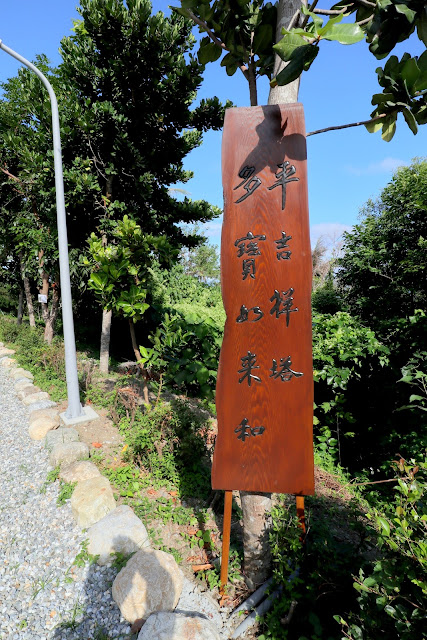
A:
(345, 168)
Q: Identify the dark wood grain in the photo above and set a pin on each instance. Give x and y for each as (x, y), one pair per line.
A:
(281, 458)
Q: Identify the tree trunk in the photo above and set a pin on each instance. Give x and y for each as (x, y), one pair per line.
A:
(20, 306)
(257, 506)
(49, 331)
(104, 352)
(138, 358)
(45, 292)
(286, 11)
(28, 296)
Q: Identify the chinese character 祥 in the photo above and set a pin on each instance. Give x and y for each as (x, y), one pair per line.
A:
(284, 371)
(248, 365)
(249, 182)
(244, 314)
(285, 301)
(282, 245)
(248, 245)
(283, 177)
(244, 430)
(248, 268)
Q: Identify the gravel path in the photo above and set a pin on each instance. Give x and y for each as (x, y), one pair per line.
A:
(43, 596)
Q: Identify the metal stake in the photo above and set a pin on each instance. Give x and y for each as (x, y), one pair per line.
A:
(74, 409)
(226, 530)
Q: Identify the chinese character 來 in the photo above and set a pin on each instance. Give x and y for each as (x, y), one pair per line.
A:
(249, 182)
(248, 365)
(284, 371)
(249, 244)
(244, 430)
(282, 248)
(283, 304)
(244, 314)
(283, 177)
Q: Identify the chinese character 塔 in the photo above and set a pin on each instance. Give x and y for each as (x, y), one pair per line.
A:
(284, 371)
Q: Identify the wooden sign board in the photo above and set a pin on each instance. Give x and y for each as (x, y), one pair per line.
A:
(265, 376)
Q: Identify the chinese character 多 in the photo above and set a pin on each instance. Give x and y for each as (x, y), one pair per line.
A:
(244, 314)
(249, 245)
(283, 304)
(249, 182)
(284, 371)
(282, 248)
(248, 365)
(244, 430)
(286, 170)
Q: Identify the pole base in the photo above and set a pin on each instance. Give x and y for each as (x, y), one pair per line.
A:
(87, 416)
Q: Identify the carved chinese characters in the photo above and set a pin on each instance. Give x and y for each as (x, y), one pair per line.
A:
(265, 382)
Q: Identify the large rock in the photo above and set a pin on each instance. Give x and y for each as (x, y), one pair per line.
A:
(79, 471)
(24, 383)
(62, 435)
(22, 373)
(4, 351)
(92, 500)
(39, 428)
(164, 625)
(27, 391)
(121, 531)
(7, 362)
(68, 452)
(43, 413)
(151, 581)
(35, 397)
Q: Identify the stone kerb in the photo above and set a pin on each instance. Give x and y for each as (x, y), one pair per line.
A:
(151, 581)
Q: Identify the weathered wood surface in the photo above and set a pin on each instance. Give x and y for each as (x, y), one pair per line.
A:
(271, 451)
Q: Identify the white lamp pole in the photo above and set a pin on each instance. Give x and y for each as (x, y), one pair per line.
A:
(74, 409)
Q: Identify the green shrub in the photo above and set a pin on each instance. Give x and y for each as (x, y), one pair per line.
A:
(168, 443)
(393, 590)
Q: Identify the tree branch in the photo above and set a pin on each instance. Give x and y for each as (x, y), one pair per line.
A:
(243, 68)
(346, 126)
(330, 12)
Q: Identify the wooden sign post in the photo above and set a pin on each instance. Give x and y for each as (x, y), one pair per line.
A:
(265, 377)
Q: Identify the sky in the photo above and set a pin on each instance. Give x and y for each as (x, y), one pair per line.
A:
(345, 168)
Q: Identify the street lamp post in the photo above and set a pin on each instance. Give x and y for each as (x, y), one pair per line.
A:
(75, 412)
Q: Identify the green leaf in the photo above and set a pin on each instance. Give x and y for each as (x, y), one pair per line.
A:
(202, 375)
(263, 38)
(410, 120)
(410, 73)
(406, 11)
(373, 127)
(345, 33)
(301, 61)
(384, 525)
(288, 45)
(209, 53)
(389, 127)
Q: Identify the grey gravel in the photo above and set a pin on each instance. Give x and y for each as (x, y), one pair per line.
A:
(42, 595)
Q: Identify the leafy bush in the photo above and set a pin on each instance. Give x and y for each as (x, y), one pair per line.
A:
(345, 357)
(393, 592)
(187, 348)
(46, 362)
(168, 444)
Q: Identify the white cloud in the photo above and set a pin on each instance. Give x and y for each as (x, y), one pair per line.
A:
(387, 165)
(331, 234)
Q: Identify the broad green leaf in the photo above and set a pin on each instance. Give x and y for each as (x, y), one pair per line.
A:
(301, 61)
(288, 45)
(389, 127)
(406, 11)
(209, 53)
(384, 525)
(410, 120)
(410, 73)
(345, 33)
(263, 38)
(373, 127)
